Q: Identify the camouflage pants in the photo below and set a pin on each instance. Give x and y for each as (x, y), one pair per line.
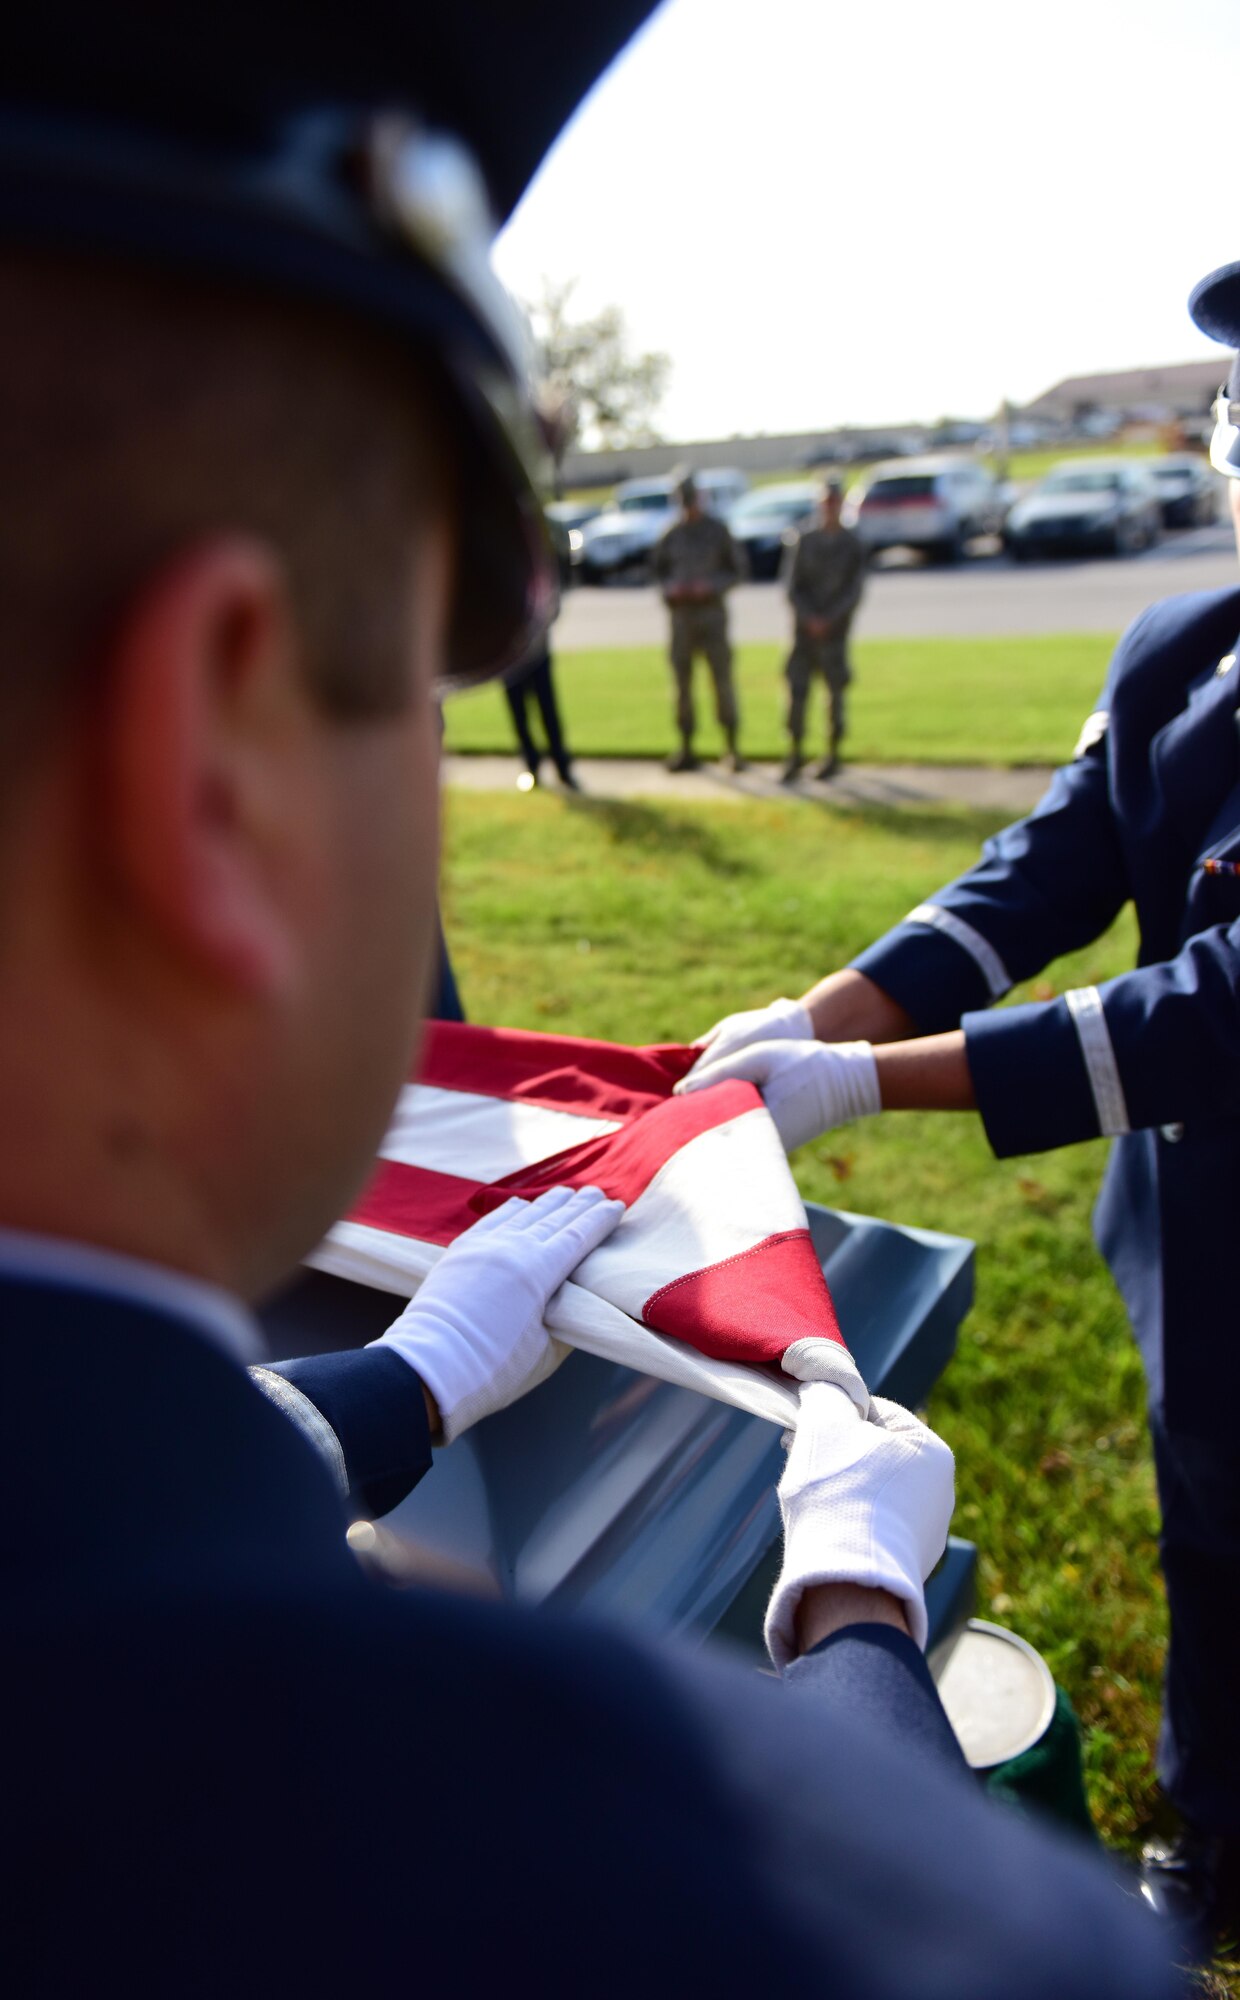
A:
(702, 628)
(828, 657)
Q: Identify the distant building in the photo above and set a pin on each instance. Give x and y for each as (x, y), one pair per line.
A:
(1143, 395)
(787, 453)
(1083, 405)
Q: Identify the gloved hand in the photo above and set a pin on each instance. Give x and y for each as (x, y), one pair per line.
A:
(808, 1087)
(474, 1333)
(782, 1020)
(864, 1500)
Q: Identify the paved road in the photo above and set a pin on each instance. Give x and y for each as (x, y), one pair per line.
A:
(986, 595)
(872, 784)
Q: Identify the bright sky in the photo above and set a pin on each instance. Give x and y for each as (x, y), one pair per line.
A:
(859, 211)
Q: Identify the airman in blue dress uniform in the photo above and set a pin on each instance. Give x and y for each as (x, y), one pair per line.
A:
(255, 373)
(1147, 812)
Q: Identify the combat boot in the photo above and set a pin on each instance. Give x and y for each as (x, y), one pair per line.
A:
(831, 762)
(1192, 1881)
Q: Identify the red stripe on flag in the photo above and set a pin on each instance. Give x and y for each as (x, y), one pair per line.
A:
(414, 1201)
(624, 1163)
(750, 1307)
(435, 1208)
(559, 1072)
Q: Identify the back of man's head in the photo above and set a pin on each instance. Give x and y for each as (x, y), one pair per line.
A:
(140, 414)
(831, 501)
(248, 282)
(687, 493)
(217, 737)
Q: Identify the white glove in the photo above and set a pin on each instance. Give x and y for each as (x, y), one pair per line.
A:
(783, 1020)
(475, 1333)
(808, 1087)
(864, 1500)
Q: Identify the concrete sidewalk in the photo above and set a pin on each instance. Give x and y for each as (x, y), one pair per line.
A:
(984, 786)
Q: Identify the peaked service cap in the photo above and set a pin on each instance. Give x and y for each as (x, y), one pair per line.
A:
(1214, 304)
(359, 156)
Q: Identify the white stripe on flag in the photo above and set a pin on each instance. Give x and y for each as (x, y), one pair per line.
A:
(723, 1193)
(484, 1138)
(397, 1264)
(375, 1257)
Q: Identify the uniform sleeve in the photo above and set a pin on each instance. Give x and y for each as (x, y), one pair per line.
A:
(798, 595)
(852, 582)
(1048, 885)
(886, 1871)
(881, 1674)
(662, 559)
(731, 565)
(364, 1412)
(1158, 1046)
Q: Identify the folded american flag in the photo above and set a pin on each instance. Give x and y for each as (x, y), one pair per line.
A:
(711, 1279)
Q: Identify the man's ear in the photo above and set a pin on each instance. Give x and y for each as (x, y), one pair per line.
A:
(201, 711)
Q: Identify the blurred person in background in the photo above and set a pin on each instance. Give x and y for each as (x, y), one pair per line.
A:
(696, 563)
(533, 683)
(825, 574)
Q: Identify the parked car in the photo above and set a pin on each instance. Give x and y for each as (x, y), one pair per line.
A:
(572, 515)
(933, 504)
(1087, 504)
(565, 520)
(1188, 491)
(763, 522)
(621, 539)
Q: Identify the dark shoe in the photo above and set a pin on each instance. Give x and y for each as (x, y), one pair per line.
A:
(569, 782)
(1193, 1881)
(828, 767)
(734, 761)
(684, 760)
(791, 771)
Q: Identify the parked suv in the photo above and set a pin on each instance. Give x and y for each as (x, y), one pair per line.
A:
(621, 539)
(934, 504)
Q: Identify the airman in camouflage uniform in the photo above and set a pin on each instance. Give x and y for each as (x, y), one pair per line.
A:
(826, 576)
(695, 562)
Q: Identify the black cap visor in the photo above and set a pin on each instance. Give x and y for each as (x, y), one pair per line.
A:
(1214, 305)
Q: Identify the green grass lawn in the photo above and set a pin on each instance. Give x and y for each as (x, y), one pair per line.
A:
(1018, 700)
(638, 922)
(1025, 466)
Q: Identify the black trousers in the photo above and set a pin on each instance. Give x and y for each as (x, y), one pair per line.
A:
(445, 1001)
(1199, 1747)
(534, 682)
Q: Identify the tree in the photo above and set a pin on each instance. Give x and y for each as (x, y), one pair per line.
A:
(605, 395)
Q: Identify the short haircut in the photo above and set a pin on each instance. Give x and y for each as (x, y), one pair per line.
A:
(139, 413)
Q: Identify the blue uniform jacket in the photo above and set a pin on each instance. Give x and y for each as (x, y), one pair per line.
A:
(1153, 1057)
(234, 1765)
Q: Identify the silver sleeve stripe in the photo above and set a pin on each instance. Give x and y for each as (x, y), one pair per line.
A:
(306, 1417)
(1094, 729)
(983, 954)
(1090, 1022)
